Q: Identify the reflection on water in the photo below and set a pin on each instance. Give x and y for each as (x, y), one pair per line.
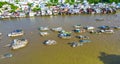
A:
(61, 53)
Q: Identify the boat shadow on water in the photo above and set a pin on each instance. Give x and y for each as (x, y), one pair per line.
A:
(109, 58)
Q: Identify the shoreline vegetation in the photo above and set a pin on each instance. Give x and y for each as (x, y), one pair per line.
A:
(51, 8)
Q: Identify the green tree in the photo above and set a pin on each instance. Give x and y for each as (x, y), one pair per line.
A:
(36, 9)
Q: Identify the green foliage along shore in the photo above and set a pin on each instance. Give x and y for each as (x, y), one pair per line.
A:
(91, 1)
(13, 7)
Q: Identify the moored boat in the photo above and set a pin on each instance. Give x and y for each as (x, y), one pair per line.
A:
(107, 31)
(17, 32)
(49, 42)
(44, 33)
(18, 43)
(7, 55)
(77, 26)
(76, 44)
(65, 35)
(82, 37)
(85, 41)
(89, 28)
(79, 30)
(117, 27)
(43, 28)
(57, 29)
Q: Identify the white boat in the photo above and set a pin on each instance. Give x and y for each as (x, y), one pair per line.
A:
(19, 43)
(44, 33)
(43, 28)
(77, 26)
(89, 28)
(107, 31)
(57, 29)
(18, 32)
(50, 42)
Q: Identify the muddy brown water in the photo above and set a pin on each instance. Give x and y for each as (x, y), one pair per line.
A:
(61, 53)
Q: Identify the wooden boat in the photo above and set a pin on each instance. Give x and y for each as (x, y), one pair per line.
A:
(18, 43)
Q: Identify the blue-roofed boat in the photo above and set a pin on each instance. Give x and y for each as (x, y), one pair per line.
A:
(104, 27)
(64, 35)
(17, 32)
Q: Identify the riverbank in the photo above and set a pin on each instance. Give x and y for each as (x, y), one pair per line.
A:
(19, 10)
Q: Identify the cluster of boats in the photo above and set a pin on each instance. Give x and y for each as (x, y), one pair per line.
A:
(17, 43)
(20, 43)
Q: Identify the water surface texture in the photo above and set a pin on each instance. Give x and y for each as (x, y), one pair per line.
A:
(96, 52)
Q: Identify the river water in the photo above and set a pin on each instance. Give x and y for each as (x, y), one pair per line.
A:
(61, 53)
